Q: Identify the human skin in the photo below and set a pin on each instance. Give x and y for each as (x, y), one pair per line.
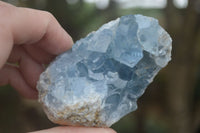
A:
(29, 39)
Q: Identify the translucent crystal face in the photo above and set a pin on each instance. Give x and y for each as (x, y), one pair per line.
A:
(100, 79)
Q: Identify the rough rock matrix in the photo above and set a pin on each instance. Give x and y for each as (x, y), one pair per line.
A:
(100, 79)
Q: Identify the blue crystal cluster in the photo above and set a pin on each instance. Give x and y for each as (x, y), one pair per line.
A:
(100, 79)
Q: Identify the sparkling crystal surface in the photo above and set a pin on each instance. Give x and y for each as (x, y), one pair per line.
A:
(100, 79)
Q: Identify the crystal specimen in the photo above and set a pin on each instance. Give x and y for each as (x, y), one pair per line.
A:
(100, 79)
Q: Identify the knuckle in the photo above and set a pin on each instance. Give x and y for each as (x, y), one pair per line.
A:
(6, 10)
(5, 6)
(49, 19)
(48, 15)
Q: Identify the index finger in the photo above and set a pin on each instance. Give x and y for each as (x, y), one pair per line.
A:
(41, 27)
(29, 26)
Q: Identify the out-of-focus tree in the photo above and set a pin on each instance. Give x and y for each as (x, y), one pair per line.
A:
(184, 27)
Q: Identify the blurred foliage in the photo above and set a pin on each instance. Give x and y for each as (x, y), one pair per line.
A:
(170, 104)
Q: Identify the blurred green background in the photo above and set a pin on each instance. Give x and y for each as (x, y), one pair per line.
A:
(171, 104)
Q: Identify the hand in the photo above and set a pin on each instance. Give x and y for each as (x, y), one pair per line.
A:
(29, 39)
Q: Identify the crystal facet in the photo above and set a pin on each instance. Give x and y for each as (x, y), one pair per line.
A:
(100, 79)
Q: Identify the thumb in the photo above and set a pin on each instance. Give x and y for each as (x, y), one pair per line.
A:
(66, 129)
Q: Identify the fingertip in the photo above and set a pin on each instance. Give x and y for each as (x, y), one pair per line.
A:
(64, 43)
(56, 43)
(67, 42)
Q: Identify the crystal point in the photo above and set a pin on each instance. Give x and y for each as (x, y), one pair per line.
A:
(100, 79)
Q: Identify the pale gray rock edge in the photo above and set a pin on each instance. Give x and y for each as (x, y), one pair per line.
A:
(99, 80)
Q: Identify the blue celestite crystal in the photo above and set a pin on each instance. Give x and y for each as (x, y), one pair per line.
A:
(100, 79)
